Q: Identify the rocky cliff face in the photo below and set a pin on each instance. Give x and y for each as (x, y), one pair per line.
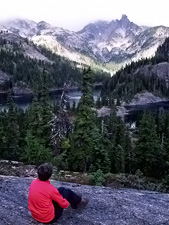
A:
(145, 98)
(118, 41)
(161, 70)
(106, 206)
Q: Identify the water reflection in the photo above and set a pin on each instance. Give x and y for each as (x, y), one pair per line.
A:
(24, 101)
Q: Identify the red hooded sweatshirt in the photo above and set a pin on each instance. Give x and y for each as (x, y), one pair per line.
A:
(41, 194)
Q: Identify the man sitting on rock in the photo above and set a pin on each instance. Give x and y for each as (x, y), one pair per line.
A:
(46, 203)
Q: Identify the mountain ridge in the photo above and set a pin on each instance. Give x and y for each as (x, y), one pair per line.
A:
(112, 44)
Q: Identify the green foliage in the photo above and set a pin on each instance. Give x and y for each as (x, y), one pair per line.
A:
(12, 133)
(60, 161)
(98, 103)
(65, 145)
(118, 143)
(87, 148)
(97, 178)
(2, 135)
(28, 71)
(40, 113)
(87, 89)
(35, 152)
(97, 145)
(135, 181)
(148, 152)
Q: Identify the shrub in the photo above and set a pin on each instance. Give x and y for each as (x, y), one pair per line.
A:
(97, 178)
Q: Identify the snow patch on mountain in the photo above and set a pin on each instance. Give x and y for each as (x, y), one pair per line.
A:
(19, 26)
(31, 52)
(52, 44)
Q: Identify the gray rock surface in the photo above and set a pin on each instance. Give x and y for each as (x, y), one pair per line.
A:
(3, 77)
(107, 206)
(145, 98)
(161, 70)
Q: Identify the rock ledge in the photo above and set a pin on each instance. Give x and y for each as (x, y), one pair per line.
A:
(107, 206)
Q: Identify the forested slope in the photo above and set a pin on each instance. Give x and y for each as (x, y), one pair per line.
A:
(151, 75)
(24, 63)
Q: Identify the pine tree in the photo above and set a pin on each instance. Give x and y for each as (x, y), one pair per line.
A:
(148, 147)
(40, 113)
(74, 106)
(98, 103)
(61, 125)
(12, 132)
(120, 149)
(33, 118)
(87, 89)
(2, 135)
(34, 151)
(45, 113)
(87, 151)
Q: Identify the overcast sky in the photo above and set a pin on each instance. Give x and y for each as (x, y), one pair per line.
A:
(74, 14)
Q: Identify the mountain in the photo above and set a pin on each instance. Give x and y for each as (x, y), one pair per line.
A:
(63, 42)
(103, 44)
(19, 26)
(22, 65)
(111, 40)
(121, 41)
(141, 82)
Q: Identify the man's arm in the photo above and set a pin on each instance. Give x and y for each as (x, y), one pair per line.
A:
(57, 197)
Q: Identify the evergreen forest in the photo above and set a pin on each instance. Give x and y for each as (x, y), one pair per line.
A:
(75, 139)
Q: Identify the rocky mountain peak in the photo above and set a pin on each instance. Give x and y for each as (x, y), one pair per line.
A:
(125, 23)
(43, 25)
(19, 26)
(124, 18)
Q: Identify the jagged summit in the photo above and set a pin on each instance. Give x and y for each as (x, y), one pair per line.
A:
(124, 17)
(126, 23)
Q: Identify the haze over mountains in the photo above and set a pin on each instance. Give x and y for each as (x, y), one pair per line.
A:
(112, 43)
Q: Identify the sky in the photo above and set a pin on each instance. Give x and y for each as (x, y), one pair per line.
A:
(75, 14)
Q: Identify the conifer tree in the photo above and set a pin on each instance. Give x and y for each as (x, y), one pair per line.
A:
(45, 113)
(87, 152)
(147, 146)
(12, 132)
(2, 135)
(61, 125)
(34, 151)
(98, 103)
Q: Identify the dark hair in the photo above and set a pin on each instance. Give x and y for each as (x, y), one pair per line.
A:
(45, 171)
